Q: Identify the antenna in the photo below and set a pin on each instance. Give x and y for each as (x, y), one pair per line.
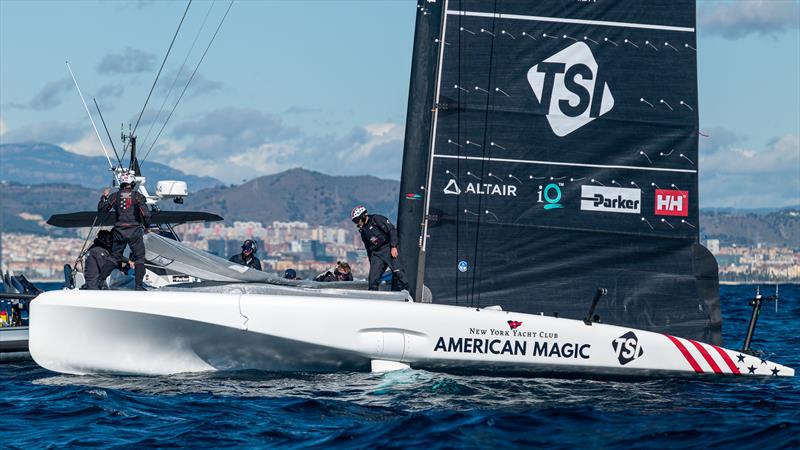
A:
(110, 164)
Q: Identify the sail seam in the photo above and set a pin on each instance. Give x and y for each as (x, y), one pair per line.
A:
(646, 26)
(559, 163)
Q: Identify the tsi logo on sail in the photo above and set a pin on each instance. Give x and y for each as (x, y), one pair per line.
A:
(570, 89)
(611, 199)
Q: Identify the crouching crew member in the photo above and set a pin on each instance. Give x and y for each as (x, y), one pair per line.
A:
(380, 241)
(248, 255)
(98, 258)
(132, 216)
(342, 272)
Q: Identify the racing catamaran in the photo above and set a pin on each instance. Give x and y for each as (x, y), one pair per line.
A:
(551, 153)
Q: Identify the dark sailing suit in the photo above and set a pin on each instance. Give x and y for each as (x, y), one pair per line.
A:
(98, 260)
(253, 262)
(380, 236)
(132, 214)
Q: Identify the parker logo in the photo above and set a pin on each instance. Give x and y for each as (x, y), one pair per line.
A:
(505, 190)
(514, 324)
(627, 347)
(570, 89)
(671, 202)
(611, 199)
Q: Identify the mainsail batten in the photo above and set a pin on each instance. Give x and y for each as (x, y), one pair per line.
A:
(563, 157)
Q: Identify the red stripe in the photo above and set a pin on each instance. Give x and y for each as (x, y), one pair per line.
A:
(686, 354)
(728, 360)
(705, 354)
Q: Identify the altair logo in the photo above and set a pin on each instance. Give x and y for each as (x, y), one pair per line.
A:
(570, 90)
(504, 190)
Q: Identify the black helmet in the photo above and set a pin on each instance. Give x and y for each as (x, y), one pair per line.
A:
(290, 274)
(104, 238)
(249, 245)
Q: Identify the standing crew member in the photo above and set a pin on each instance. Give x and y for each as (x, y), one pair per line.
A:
(380, 241)
(248, 255)
(132, 216)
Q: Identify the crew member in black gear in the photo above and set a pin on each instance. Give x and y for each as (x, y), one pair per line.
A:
(381, 241)
(98, 258)
(132, 217)
(248, 255)
(342, 272)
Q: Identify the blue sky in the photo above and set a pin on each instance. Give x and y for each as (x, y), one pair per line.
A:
(324, 85)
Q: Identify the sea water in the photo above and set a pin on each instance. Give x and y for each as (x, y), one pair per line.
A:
(411, 408)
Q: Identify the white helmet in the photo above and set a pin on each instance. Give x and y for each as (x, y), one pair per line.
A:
(126, 178)
(357, 212)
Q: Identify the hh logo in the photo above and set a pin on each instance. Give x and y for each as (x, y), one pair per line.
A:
(627, 348)
(670, 202)
(570, 90)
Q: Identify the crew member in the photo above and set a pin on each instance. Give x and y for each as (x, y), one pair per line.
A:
(98, 257)
(290, 274)
(381, 241)
(342, 272)
(132, 216)
(248, 255)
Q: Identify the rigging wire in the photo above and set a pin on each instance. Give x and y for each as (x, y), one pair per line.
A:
(157, 75)
(188, 82)
(113, 147)
(489, 97)
(177, 76)
(458, 152)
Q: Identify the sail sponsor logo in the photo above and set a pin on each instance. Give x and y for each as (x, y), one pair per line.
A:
(627, 347)
(550, 195)
(611, 199)
(551, 349)
(670, 202)
(570, 90)
(503, 190)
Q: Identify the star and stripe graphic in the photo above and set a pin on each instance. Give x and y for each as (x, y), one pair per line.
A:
(707, 358)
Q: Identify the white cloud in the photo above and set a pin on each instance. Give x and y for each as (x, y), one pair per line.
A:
(737, 19)
(87, 145)
(233, 144)
(740, 176)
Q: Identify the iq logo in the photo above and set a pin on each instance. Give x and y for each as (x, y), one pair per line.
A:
(670, 202)
(463, 266)
(627, 348)
(550, 195)
(570, 90)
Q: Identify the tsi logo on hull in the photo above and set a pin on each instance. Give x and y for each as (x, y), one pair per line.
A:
(570, 89)
(627, 348)
(670, 202)
(611, 199)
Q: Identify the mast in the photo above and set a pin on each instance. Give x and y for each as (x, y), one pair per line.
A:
(418, 138)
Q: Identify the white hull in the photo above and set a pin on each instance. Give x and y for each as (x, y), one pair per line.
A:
(156, 333)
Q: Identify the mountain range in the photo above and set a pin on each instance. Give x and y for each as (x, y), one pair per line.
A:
(293, 195)
(41, 179)
(37, 163)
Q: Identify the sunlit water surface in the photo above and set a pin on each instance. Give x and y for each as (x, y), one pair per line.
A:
(39, 408)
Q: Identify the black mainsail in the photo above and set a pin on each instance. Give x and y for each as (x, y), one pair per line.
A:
(551, 148)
